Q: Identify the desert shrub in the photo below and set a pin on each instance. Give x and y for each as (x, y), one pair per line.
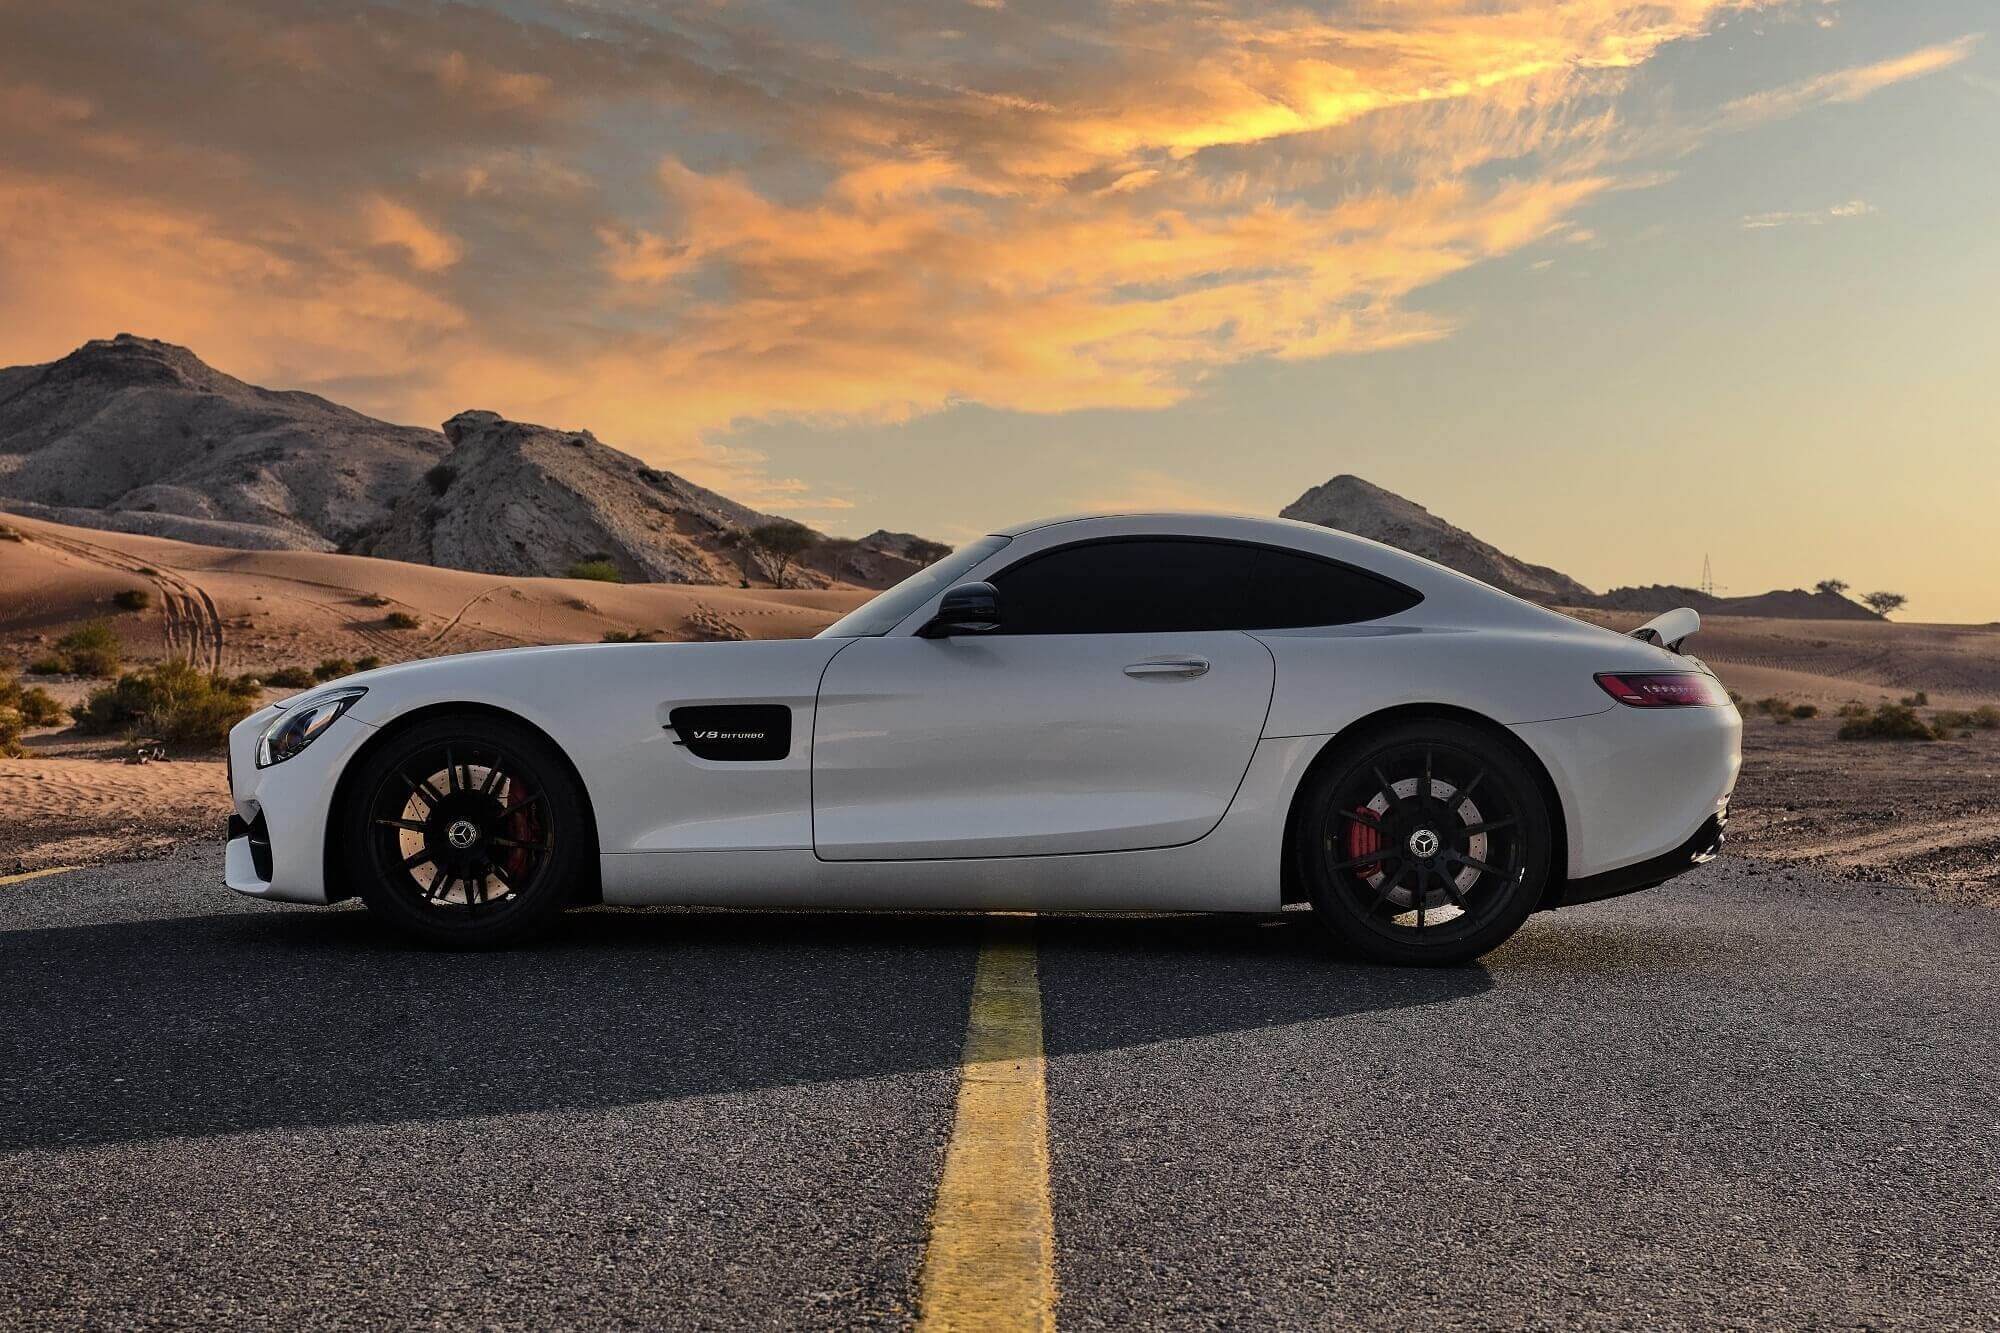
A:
(628, 636)
(147, 571)
(132, 599)
(1889, 722)
(290, 678)
(88, 650)
(1784, 710)
(371, 599)
(441, 477)
(1918, 700)
(600, 570)
(1852, 708)
(1983, 718)
(39, 708)
(173, 701)
(22, 708)
(401, 620)
(1804, 711)
(368, 663)
(8, 534)
(333, 668)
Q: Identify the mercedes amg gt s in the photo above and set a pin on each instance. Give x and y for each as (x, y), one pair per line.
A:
(1128, 712)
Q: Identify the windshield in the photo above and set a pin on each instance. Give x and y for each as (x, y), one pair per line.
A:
(885, 612)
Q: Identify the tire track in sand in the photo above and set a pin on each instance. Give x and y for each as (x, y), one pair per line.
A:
(192, 624)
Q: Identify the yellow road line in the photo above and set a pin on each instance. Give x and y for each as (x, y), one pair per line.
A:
(37, 874)
(991, 1260)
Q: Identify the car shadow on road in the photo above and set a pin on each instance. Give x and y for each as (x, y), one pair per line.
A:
(271, 1017)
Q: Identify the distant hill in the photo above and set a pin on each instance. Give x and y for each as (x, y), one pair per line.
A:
(1352, 505)
(142, 436)
(1366, 510)
(133, 435)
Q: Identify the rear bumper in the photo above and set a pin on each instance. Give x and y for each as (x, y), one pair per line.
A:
(1703, 846)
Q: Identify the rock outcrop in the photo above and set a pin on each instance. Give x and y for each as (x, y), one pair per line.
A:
(515, 498)
(1366, 510)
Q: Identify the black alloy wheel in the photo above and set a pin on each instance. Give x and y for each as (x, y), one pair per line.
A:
(1426, 843)
(466, 832)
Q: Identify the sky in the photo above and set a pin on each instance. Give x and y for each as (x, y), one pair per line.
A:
(1618, 286)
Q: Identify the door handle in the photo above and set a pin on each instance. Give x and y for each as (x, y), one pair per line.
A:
(1175, 667)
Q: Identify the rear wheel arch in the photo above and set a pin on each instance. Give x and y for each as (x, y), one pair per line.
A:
(1357, 733)
(334, 868)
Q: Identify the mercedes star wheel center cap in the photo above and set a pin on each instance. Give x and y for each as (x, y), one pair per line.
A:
(462, 833)
(1424, 844)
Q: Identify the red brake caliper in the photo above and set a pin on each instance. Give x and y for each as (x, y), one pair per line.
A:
(1363, 840)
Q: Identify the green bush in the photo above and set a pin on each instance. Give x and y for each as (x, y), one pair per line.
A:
(1983, 718)
(1853, 708)
(173, 702)
(628, 636)
(601, 571)
(23, 708)
(1784, 710)
(88, 650)
(333, 668)
(1917, 700)
(368, 663)
(401, 620)
(132, 599)
(1804, 711)
(289, 678)
(1889, 722)
(371, 599)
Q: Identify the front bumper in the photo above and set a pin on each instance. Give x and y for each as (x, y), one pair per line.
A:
(1705, 845)
(276, 840)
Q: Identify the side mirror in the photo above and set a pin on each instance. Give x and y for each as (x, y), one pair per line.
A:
(970, 608)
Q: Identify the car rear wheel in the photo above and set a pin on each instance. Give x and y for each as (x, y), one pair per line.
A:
(1425, 843)
(466, 832)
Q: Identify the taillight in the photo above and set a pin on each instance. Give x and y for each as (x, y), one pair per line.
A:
(1663, 689)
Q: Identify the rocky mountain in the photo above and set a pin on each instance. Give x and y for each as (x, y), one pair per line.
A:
(1352, 505)
(142, 436)
(514, 498)
(1783, 604)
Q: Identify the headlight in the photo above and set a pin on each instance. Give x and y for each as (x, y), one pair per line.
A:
(300, 724)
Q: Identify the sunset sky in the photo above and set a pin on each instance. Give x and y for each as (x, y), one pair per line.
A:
(1613, 284)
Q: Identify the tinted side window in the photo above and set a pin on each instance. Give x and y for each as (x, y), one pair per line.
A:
(1146, 586)
(1292, 590)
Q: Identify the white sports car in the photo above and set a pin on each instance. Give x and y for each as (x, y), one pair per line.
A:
(1133, 712)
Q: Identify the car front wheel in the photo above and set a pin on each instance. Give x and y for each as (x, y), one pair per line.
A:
(1425, 843)
(465, 832)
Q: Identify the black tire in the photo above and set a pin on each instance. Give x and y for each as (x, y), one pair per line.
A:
(465, 832)
(1418, 875)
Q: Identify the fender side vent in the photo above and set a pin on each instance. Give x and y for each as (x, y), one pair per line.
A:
(742, 733)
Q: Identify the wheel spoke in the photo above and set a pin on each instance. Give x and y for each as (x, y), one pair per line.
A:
(500, 873)
(1464, 794)
(1389, 789)
(1389, 886)
(409, 825)
(521, 804)
(528, 846)
(1372, 858)
(1368, 821)
(1426, 792)
(451, 772)
(424, 791)
(440, 886)
(1488, 826)
(1479, 865)
(1449, 884)
(422, 857)
(492, 783)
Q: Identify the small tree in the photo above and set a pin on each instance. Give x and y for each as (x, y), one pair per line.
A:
(837, 551)
(1882, 603)
(1831, 587)
(927, 552)
(782, 544)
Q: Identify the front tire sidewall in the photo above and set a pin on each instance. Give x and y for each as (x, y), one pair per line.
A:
(1334, 908)
(501, 924)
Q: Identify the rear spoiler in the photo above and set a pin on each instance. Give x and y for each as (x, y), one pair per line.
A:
(1670, 630)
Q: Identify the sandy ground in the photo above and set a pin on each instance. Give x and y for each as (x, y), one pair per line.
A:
(1925, 816)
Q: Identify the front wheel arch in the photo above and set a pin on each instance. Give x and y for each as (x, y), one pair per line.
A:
(333, 865)
(1357, 733)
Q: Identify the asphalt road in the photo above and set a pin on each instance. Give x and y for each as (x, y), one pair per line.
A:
(1740, 1100)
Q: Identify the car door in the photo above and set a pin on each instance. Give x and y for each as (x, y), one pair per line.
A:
(1113, 710)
